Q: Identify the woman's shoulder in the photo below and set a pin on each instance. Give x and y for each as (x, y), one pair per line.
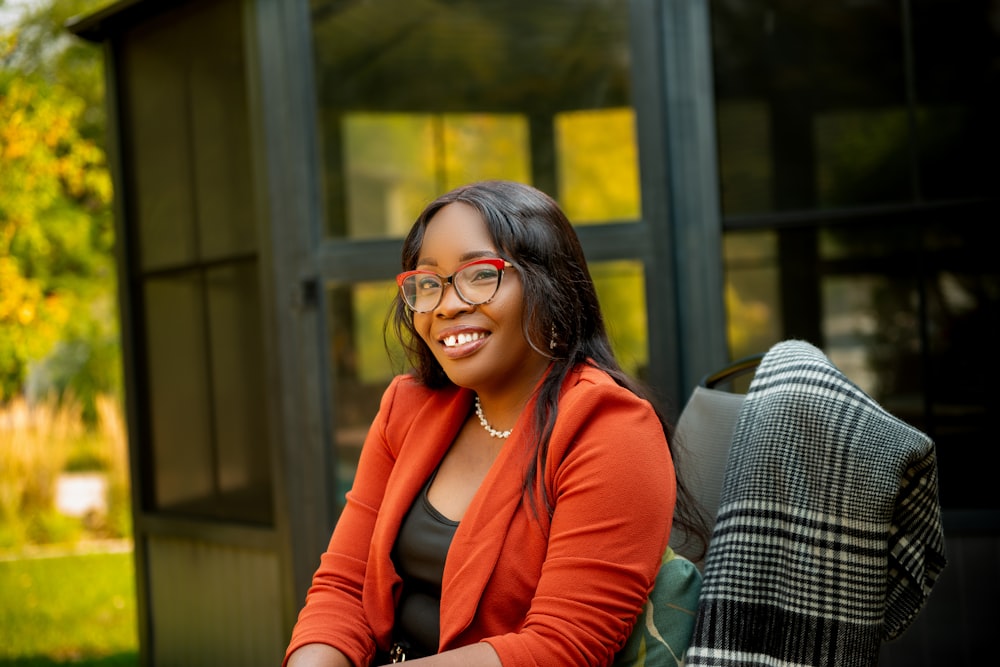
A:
(599, 417)
(590, 378)
(588, 389)
(406, 390)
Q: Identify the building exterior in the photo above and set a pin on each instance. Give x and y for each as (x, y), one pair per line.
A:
(740, 172)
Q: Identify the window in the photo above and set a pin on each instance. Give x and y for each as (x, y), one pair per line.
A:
(857, 186)
(194, 265)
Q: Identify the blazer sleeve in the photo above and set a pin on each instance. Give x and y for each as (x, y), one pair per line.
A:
(611, 480)
(333, 613)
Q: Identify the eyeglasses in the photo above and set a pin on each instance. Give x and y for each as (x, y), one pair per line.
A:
(475, 282)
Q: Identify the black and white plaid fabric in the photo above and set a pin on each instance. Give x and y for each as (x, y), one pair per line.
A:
(828, 537)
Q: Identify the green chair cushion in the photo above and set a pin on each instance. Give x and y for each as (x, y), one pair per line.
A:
(663, 630)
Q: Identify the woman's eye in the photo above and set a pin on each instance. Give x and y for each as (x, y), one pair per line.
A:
(483, 273)
(428, 283)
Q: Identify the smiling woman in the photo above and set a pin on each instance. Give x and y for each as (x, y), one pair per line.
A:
(498, 515)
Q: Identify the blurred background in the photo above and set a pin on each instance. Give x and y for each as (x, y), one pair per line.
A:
(66, 568)
(201, 208)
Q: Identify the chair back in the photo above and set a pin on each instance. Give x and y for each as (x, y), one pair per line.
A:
(702, 438)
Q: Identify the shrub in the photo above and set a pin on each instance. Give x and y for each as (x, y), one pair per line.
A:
(40, 441)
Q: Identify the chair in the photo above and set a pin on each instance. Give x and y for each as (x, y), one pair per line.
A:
(702, 438)
(828, 538)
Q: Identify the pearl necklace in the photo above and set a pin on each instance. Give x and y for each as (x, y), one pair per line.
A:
(486, 425)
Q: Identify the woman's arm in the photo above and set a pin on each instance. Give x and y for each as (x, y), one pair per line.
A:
(610, 479)
(318, 655)
(333, 612)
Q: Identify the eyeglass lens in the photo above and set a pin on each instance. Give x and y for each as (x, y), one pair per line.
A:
(475, 284)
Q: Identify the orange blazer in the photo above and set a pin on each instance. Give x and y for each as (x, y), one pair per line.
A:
(559, 590)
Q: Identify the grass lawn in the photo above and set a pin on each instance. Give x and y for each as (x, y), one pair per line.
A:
(77, 608)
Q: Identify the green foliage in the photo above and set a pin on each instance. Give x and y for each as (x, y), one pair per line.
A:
(57, 308)
(71, 608)
(51, 527)
(46, 50)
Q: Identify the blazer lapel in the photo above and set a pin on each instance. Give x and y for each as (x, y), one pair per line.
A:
(481, 535)
(425, 437)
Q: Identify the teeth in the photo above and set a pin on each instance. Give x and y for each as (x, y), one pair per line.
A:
(462, 338)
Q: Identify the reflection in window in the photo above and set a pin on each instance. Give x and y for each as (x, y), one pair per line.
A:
(788, 76)
(394, 163)
(207, 409)
(621, 290)
(598, 165)
(752, 295)
(475, 147)
(361, 367)
(745, 173)
(850, 325)
(415, 98)
(862, 156)
(180, 414)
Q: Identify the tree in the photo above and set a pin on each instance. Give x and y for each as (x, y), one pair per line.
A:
(58, 326)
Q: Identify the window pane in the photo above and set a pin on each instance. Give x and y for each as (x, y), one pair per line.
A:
(386, 172)
(180, 412)
(598, 165)
(361, 368)
(477, 147)
(238, 393)
(753, 299)
(207, 410)
(390, 161)
(156, 96)
(957, 87)
(862, 156)
(745, 171)
(186, 118)
(963, 307)
(812, 104)
(621, 289)
(418, 97)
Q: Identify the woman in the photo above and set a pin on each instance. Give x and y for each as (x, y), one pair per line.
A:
(514, 495)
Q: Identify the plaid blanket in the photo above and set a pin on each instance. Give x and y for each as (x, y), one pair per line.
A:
(828, 538)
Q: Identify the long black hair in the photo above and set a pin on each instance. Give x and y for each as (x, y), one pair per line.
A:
(561, 314)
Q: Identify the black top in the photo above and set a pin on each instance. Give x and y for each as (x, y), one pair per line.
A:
(421, 549)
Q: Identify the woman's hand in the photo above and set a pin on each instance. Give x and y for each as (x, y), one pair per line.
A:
(473, 655)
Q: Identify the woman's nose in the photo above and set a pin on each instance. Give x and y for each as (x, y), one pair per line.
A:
(451, 303)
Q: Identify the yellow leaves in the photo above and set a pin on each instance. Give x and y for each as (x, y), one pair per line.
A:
(42, 156)
(22, 302)
(12, 290)
(30, 321)
(54, 190)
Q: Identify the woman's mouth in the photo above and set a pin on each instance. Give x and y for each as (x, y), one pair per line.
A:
(454, 340)
(461, 344)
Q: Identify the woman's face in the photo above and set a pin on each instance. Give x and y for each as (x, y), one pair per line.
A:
(480, 347)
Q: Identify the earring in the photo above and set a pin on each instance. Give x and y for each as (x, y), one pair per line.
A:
(552, 339)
